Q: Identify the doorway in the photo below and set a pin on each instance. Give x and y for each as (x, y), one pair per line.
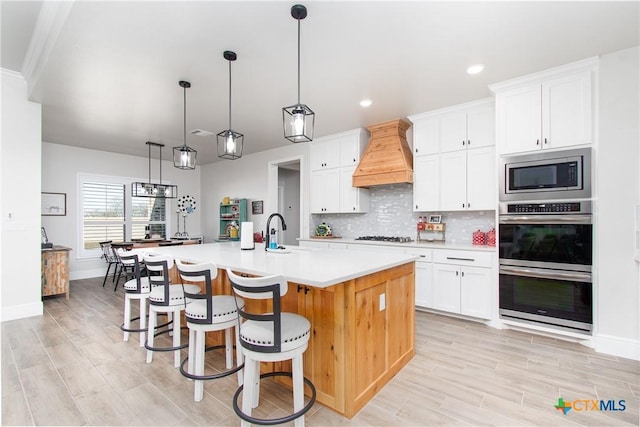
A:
(287, 189)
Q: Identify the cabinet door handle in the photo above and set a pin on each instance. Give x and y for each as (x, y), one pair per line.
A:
(354, 208)
(468, 142)
(537, 142)
(299, 288)
(545, 140)
(416, 206)
(463, 205)
(416, 150)
(460, 259)
(354, 160)
(306, 290)
(462, 273)
(463, 142)
(456, 273)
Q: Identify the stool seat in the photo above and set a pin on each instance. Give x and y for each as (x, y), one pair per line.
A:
(132, 285)
(176, 294)
(223, 309)
(295, 332)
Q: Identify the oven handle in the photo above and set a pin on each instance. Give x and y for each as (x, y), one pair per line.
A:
(546, 274)
(545, 219)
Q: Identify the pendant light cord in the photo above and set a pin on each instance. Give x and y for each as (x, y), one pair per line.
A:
(229, 96)
(149, 145)
(298, 61)
(184, 139)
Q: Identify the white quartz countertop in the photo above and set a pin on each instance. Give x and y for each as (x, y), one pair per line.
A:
(414, 244)
(308, 266)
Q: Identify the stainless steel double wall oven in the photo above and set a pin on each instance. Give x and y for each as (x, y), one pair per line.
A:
(546, 239)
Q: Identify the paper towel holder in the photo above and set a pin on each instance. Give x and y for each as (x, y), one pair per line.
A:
(246, 236)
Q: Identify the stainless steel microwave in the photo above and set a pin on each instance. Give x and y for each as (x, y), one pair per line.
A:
(555, 175)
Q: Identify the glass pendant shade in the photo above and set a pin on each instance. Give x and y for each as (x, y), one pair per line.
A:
(298, 120)
(184, 157)
(151, 189)
(230, 144)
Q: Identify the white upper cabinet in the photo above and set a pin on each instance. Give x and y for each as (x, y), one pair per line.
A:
(333, 160)
(454, 158)
(547, 110)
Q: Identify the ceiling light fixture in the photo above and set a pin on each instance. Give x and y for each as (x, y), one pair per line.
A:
(475, 69)
(229, 141)
(366, 103)
(298, 120)
(184, 157)
(149, 189)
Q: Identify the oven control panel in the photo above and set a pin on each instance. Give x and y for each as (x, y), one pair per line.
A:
(565, 207)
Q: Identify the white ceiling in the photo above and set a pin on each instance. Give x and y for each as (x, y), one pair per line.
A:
(107, 72)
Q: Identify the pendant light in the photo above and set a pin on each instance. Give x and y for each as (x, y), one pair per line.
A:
(298, 120)
(229, 141)
(184, 157)
(149, 189)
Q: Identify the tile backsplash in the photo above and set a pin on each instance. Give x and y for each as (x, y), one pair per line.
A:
(391, 214)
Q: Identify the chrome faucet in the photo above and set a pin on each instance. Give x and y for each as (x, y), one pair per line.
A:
(284, 227)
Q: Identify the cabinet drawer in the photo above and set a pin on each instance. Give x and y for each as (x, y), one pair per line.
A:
(426, 255)
(472, 258)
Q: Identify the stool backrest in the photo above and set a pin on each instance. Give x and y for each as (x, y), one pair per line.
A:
(159, 264)
(205, 273)
(261, 288)
(132, 260)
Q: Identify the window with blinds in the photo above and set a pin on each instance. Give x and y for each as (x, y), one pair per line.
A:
(103, 213)
(109, 212)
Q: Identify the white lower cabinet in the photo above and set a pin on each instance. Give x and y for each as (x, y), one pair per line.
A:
(463, 283)
(423, 277)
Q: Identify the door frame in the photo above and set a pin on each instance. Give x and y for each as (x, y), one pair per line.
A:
(272, 192)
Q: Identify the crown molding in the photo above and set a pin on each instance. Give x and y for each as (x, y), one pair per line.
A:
(50, 21)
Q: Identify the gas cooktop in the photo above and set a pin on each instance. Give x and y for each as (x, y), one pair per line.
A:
(396, 239)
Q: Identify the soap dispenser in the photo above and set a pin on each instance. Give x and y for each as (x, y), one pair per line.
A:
(273, 244)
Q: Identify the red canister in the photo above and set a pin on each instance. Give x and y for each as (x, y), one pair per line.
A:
(479, 238)
(491, 237)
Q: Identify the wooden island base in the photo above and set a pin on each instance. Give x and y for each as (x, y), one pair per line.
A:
(363, 333)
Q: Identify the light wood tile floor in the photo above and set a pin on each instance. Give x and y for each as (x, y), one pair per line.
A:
(71, 367)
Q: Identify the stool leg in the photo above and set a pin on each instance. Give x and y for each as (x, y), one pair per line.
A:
(239, 356)
(151, 333)
(228, 348)
(176, 340)
(251, 371)
(298, 388)
(169, 319)
(200, 346)
(192, 351)
(127, 317)
(143, 320)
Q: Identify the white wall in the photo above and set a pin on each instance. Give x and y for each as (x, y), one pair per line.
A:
(61, 165)
(20, 254)
(249, 177)
(618, 187)
(289, 181)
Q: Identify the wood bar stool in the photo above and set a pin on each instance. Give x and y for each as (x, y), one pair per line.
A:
(270, 337)
(207, 312)
(165, 298)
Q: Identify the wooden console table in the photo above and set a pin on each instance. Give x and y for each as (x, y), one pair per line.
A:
(55, 271)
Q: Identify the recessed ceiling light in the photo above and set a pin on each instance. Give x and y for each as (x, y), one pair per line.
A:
(366, 102)
(475, 69)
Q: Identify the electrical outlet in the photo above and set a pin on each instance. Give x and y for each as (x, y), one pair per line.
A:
(383, 302)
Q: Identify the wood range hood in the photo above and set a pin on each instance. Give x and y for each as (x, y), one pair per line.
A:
(387, 159)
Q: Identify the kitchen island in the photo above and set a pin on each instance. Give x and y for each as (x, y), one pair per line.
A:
(360, 305)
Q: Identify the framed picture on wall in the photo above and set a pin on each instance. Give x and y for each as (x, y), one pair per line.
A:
(53, 204)
(256, 207)
(434, 219)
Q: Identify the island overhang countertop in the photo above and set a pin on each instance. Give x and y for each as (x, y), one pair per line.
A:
(319, 268)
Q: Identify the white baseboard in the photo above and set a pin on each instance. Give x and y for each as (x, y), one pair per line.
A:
(15, 312)
(617, 346)
(87, 274)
